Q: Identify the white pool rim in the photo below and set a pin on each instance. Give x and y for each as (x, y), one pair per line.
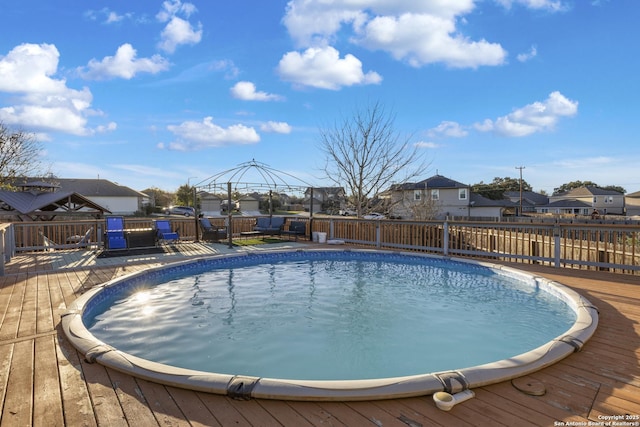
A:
(247, 387)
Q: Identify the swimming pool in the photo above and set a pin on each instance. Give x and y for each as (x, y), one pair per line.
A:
(409, 374)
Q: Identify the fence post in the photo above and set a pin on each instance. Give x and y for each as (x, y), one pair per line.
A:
(331, 232)
(378, 235)
(556, 245)
(2, 255)
(445, 238)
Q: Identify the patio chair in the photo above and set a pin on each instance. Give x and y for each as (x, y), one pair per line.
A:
(211, 233)
(163, 231)
(296, 228)
(114, 235)
(73, 242)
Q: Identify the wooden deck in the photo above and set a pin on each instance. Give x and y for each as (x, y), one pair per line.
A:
(45, 382)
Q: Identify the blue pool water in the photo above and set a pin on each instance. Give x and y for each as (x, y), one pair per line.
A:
(328, 316)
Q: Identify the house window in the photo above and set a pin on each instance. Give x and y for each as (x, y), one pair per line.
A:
(462, 194)
(417, 195)
(435, 194)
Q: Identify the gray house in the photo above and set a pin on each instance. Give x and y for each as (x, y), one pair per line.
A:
(632, 204)
(330, 199)
(530, 200)
(439, 197)
(584, 201)
(210, 204)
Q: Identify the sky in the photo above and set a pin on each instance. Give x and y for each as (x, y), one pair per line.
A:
(167, 93)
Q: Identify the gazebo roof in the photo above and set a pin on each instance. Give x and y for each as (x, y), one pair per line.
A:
(47, 203)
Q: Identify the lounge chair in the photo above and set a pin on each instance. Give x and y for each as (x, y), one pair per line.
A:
(73, 242)
(114, 235)
(211, 233)
(163, 231)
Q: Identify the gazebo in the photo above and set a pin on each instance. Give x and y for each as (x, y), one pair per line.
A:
(39, 201)
(250, 177)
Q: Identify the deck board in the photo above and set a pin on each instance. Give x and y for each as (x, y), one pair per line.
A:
(45, 382)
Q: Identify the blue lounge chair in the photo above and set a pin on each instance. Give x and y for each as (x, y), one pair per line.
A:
(114, 235)
(163, 231)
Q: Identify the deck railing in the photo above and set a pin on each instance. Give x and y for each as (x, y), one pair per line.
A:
(611, 247)
(608, 247)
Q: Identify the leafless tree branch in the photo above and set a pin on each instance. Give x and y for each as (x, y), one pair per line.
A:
(365, 154)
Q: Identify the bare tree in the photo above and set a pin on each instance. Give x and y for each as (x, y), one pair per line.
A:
(19, 155)
(365, 154)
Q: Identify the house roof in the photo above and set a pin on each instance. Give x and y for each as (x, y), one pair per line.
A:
(436, 181)
(86, 187)
(635, 195)
(568, 203)
(588, 191)
(529, 197)
(477, 201)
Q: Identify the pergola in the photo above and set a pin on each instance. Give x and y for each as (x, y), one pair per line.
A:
(247, 177)
(45, 206)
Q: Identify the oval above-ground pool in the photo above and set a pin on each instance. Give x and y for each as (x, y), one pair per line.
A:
(412, 354)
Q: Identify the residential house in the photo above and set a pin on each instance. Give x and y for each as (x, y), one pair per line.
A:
(632, 204)
(585, 201)
(530, 200)
(439, 197)
(328, 199)
(249, 205)
(210, 204)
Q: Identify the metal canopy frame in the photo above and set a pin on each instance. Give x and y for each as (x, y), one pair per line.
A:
(232, 180)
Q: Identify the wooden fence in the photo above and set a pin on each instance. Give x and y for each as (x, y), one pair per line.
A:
(611, 247)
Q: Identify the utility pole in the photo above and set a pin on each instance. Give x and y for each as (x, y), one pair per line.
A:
(520, 167)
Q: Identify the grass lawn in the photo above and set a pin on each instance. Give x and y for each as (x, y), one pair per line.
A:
(256, 241)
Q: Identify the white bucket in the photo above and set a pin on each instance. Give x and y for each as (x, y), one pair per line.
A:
(315, 236)
(322, 237)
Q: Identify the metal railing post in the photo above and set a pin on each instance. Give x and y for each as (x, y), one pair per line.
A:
(445, 243)
(556, 245)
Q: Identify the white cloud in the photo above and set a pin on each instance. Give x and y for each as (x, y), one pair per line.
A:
(423, 39)
(42, 102)
(110, 16)
(247, 92)
(550, 5)
(178, 31)
(323, 68)
(124, 65)
(417, 32)
(108, 128)
(206, 134)
(277, 127)
(448, 129)
(524, 57)
(426, 144)
(532, 118)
